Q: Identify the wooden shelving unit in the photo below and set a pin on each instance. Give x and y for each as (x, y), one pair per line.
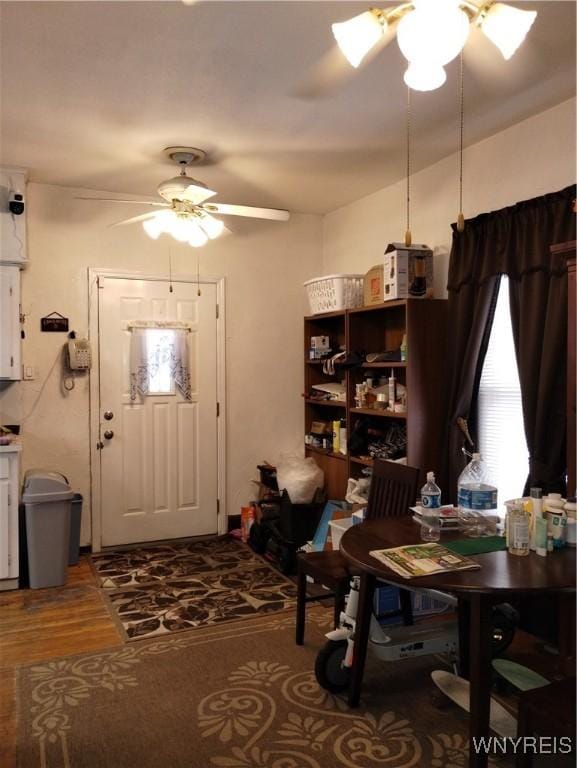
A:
(378, 329)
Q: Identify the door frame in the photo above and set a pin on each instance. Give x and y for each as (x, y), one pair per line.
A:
(94, 406)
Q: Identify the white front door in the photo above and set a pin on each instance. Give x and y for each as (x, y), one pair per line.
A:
(159, 452)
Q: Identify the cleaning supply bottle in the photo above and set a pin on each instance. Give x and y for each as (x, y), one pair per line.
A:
(343, 437)
(336, 436)
(430, 509)
(536, 495)
(518, 527)
(477, 499)
(404, 348)
(392, 390)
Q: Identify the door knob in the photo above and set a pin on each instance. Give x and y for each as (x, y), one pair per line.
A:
(108, 415)
(109, 434)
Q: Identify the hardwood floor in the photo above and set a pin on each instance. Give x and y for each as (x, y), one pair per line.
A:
(40, 624)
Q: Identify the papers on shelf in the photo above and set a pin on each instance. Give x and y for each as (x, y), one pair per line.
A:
(332, 390)
(423, 560)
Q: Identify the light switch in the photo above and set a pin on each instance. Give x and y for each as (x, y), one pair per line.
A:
(29, 373)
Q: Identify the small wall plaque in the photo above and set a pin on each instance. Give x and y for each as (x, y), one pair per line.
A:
(54, 323)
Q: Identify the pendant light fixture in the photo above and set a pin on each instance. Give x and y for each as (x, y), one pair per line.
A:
(431, 34)
(460, 216)
(408, 235)
(429, 37)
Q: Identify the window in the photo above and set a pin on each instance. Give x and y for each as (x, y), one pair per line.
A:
(160, 360)
(502, 441)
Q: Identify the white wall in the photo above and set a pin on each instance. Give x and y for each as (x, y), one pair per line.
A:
(265, 265)
(529, 159)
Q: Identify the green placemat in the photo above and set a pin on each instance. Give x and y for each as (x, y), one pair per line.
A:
(478, 546)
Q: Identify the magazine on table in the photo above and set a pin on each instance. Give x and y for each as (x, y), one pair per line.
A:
(423, 560)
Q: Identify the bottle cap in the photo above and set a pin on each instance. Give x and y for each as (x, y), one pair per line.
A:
(430, 477)
(536, 493)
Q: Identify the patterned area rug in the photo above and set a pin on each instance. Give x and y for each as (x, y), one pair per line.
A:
(159, 590)
(231, 696)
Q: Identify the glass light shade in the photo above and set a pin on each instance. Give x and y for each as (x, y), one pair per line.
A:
(213, 227)
(506, 27)
(424, 77)
(197, 237)
(180, 229)
(154, 227)
(433, 33)
(358, 35)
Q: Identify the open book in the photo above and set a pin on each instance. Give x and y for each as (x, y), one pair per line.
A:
(423, 560)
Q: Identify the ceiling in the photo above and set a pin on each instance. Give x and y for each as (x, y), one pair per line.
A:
(91, 92)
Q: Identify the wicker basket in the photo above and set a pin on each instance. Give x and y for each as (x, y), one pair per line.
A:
(334, 292)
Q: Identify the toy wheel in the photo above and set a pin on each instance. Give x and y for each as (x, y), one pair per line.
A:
(329, 670)
(505, 619)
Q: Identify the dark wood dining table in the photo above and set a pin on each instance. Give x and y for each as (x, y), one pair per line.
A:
(502, 577)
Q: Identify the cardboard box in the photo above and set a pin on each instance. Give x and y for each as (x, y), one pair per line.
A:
(373, 287)
(408, 272)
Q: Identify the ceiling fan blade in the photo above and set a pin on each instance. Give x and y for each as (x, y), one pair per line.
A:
(116, 200)
(275, 214)
(135, 219)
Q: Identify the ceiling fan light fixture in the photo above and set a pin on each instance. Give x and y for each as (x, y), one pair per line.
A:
(181, 228)
(358, 35)
(211, 226)
(197, 236)
(157, 224)
(185, 188)
(506, 27)
(433, 34)
(424, 77)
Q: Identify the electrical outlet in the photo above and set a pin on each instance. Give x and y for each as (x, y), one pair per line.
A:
(29, 372)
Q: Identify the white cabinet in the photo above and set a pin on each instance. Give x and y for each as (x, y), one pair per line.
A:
(12, 227)
(10, 363)
(9, 481)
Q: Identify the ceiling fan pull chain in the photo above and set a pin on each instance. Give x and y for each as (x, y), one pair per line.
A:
(461, 217)
(408, 236)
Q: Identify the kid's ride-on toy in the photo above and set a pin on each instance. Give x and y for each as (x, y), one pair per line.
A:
(334, 660)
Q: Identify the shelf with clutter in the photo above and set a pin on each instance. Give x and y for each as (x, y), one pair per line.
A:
(384, 354)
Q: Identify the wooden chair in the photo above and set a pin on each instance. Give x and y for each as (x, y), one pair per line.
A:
(547, 711)
(393, 490)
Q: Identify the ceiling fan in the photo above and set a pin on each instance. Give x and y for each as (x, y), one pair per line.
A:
(429, 34)
(186, 215)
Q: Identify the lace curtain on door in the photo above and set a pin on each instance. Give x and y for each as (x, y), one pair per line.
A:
(159, 359)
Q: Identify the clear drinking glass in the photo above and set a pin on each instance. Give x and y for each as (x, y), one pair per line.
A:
(430, 524)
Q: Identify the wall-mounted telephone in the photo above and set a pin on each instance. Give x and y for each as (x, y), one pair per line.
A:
(79, 357)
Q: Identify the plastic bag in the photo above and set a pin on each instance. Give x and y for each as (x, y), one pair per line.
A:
(358, 490)
(300, 477)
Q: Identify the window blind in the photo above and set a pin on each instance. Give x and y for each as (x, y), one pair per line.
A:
(500, 417)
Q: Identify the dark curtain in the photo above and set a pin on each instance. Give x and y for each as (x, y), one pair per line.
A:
(515, 242)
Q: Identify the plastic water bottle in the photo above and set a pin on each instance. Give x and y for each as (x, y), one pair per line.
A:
(430, 509)
(477, 499)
